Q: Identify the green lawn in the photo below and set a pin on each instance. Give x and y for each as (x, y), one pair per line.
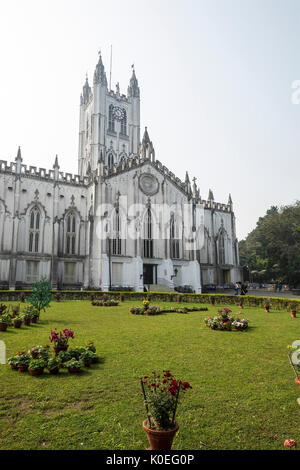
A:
(243, 396)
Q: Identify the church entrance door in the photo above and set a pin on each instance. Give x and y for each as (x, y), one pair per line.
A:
(149, 271)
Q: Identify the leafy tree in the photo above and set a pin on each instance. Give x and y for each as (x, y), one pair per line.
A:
(272, 249)
(41, 294)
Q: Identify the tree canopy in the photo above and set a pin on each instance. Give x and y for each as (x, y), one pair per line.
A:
(272, 250)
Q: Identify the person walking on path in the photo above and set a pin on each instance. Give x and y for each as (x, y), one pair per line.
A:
(237, 287)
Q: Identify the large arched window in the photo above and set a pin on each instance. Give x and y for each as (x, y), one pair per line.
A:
(124, 124)
(148, 241)
(111, 120)
(70, 233)
(174, 239)
(221, 248)
(34, 230)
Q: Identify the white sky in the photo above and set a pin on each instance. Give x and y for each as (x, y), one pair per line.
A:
(215, 79)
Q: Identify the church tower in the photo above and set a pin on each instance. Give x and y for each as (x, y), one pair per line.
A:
(109, 123)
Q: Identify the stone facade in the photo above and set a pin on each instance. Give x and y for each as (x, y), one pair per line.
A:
(125, 220)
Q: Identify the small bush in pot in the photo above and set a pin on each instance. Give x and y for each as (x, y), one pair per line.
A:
(36, 367)
(5, 322)
(74, 366)
(63, 357)
(86, 357)
(27, 317)
(17, 322)
(91, 346)
(161, 398)
(35, 351)
(23, 360)
(13, 362)
(53, 366)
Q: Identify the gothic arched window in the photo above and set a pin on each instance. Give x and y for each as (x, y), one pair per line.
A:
(116, 241)
(70, 233)
(34, 230)
(174, 239)
(124, 124)
(110, 160)
(221, 248)
(148, 241)
(111, 120)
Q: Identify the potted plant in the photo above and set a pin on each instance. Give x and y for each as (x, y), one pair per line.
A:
(36, 367)
(5, 321)
(13, 362)
(212, 300)
(60, 339)
(27, 316)
(45, 352)
(95, 358)
(35, 351)
(74, 366)
(3, 309)
(15, 309)
(17, 321)
(23, 360)
(267, 306)
(35, 316)
(91, 346)
(53, 366)
(161, 397)
(293, 310)
(63, 357)
(146, 304)
(86, 357)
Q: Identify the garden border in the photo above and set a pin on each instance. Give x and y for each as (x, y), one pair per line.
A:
(276, 303)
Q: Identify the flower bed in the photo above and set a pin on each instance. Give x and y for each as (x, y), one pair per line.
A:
(226, 322)
(38, 358)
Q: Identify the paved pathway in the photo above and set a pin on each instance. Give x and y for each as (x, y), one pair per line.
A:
(267, 293)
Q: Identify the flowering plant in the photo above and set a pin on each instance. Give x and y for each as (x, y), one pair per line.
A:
(76, 352)
(74, 364)
(91, 346)
(61, 338)
(6, 319)
(86, 356)
(36, 364)
(35, 351)
(22, 358)
(13, 361)
(53, 363)
(137, 310)
(161, 397)
(154, 310)
(64, 356)
(225, 322)
(146, 304)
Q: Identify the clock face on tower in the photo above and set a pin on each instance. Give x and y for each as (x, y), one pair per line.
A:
(118, 113)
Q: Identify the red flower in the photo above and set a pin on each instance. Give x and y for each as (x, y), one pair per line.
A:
(185, 385)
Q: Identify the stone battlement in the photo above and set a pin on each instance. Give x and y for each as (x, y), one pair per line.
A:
(42, 173)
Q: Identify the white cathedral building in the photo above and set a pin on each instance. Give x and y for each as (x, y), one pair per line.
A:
(124, 221)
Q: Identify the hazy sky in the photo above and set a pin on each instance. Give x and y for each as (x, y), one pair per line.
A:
(215, 79)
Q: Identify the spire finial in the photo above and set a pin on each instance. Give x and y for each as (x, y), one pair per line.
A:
(19, 157)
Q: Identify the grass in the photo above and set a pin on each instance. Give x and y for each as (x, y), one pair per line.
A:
(243, 396)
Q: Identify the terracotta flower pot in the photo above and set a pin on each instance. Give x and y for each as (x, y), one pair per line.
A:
(14, 367)
(95, 360)
(87, 364)
(160, 440)
(297, 380)
(23, 368)
(3, 326)
(54, 371)
(293, 313)
(34, 320)
(36, 372)
(27, 321)
(57, 349)
(74, 370)
(18, 324)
